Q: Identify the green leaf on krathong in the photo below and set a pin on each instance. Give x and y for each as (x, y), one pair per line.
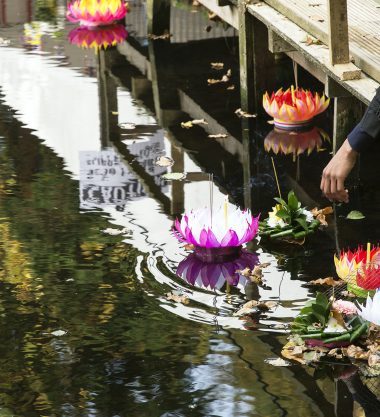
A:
(280, 201)
(322, 300)
(302, 222)
(320, 313)
(292, 201)
(282, 214)
(355, 215)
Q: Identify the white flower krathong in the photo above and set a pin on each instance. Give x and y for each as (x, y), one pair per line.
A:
(228, 226)
(371, 311)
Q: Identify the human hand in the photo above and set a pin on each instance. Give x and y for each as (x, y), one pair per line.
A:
(336, 171)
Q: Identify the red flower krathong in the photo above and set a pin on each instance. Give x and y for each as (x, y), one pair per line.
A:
(295, 106)
(368, 277)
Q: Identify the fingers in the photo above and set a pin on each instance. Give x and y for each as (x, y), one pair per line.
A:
(333, 187)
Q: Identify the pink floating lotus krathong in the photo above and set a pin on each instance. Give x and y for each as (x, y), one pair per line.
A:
(281, 141)
(96, 12)
(212, 231)
(98, 38)
(294, 108)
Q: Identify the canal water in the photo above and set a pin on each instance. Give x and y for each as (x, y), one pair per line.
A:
(87, 254)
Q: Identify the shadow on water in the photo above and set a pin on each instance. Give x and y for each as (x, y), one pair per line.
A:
(86, 251)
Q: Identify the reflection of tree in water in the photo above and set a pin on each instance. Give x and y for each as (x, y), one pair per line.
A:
(81, 281)
(46, 10)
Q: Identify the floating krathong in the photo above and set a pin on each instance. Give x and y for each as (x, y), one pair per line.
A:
(213, 275)
(360, 269)
(289, 220)
(371, 311)
(294, 108)
(96, 12)
(223, 230)
(98, 38)
(281, 141)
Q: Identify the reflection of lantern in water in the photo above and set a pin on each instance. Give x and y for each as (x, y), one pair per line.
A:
(98, 38)
(220, 231)
(294, 108)
(96, 12)
(295, 143)
(212, 275)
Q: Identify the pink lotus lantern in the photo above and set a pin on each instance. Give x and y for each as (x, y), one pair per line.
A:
(295, 143)
(99, 38)
(218, 232)
(96, 12)
(214, 275)
(294, 108)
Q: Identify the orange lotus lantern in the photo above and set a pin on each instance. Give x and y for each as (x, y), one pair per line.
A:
(295, 143)
(294, 108)
(96, 12)
(98, 38)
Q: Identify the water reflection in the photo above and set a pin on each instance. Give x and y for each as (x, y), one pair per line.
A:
(97, 38)
(83, 314)
(295, 143)
(212, 275)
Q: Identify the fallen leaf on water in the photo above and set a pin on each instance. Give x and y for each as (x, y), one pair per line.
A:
(355, 215)
(270, 122)
(174, 176)
(178, 298)
(115, 232)
(329, 281)
(312, 356)
(241, 113)
(59, 333)
(164, 161)
(255, 274)
(277, 362)
(115, 113)
(127, 126)
(217, 65)
(218, 136)
(356, 352)
(199, 122)
(231, 87)
(164, 36)
(251, 306)
(225, 79)
(187, 125)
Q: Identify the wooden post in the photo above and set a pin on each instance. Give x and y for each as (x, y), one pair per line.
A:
(178, 191)
(158, 13)
(257, 63)
(346, 116)
(338, 32)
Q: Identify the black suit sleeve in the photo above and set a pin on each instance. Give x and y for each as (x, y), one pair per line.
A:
(368, 130)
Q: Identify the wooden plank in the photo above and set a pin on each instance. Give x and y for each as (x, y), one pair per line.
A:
(318, 55)
(158, 14)
(363, 18)
(338, 32)
(277, 45)
(227, 13)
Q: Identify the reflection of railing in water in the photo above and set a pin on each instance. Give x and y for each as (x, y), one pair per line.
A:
(184, 26)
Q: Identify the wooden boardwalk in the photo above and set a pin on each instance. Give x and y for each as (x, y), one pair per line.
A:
(363, 26)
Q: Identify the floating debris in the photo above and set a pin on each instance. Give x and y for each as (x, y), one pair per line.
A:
(217, 65)
(177, 297)
(174, 176)
(164, 161)
(277, 362)
(244, 114)
(355, 215)
(218, 136)
(127, 126)
(58, 333)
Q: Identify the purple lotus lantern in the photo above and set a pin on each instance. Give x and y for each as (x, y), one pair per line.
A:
(217, 235)
(212, 275)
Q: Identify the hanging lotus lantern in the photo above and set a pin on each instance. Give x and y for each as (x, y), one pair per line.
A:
(213, 275)
(217, 235)
(294, 108)
(281, 141)
(98, 38)
(360, 269)
(96, 12)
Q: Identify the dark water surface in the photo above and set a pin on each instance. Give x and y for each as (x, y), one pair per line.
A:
(86, 250)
